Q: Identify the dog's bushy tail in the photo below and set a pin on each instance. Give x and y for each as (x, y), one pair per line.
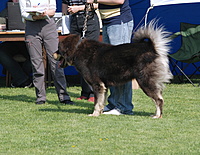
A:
(160, 41)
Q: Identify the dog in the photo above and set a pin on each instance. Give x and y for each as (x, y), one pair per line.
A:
(103, 65)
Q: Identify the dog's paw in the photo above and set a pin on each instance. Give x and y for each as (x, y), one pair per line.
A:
(156, 116)
(94, 114)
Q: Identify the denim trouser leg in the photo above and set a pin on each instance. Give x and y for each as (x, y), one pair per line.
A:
(121, 96)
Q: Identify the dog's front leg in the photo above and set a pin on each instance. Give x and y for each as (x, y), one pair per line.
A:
(98, 108)
(100, 94)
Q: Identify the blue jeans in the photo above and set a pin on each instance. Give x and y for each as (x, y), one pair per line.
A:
(120, 96)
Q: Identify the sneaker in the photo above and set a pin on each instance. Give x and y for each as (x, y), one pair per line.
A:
(69, 102)
(82, 98)
(91, 99)
(113, 112)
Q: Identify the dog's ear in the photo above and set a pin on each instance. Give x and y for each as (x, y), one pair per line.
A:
(69, 42)
(66, 47)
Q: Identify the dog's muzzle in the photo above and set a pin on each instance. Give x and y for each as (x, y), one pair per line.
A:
(62, 61)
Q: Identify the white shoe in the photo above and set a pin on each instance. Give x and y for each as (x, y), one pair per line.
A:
(106, 109)
(113, 112)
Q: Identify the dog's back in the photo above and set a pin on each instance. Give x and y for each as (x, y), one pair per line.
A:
(146, 56)
(103, 65)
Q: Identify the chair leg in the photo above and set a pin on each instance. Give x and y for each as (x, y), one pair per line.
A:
(8, 79)
(183, 72)
(173, 70)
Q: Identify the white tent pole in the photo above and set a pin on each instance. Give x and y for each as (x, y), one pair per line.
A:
(151, 7)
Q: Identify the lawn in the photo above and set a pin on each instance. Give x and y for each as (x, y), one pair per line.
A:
(56, 129)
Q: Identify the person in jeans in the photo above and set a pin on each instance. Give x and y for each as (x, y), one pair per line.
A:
(41, 31)
(77, 10)
(117, 23)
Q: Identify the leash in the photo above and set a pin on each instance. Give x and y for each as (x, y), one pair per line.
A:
(87, 8)
(63, 58)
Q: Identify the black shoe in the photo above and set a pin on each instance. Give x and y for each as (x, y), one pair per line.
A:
(40, 102)
(67, 102)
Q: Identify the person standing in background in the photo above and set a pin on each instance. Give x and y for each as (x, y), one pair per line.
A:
(41, 31)
(117, 23)
(14, 58)
(77, 10)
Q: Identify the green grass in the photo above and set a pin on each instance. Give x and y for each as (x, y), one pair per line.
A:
(56, 129)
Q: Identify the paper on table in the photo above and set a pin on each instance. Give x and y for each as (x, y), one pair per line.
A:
(37, 9)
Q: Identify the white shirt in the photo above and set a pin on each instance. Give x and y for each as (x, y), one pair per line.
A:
(48, 4)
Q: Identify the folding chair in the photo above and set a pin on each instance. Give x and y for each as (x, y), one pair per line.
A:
(189, 53)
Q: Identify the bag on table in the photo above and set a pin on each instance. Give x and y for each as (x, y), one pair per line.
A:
(65, 24)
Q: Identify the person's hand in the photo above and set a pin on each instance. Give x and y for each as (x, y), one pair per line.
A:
(74, 9)
(49, 13)
(38, 16)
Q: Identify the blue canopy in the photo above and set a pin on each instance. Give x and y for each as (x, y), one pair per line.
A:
(170, 15)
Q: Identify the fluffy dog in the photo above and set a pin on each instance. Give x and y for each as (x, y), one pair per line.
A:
(103, 65)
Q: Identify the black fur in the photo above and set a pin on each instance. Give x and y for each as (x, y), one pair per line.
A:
(103, 65)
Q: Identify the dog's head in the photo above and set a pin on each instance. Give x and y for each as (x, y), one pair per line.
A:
(67, 49)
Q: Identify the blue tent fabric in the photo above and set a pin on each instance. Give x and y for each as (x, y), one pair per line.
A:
(59, 5)
(169, 15)
(3, 4)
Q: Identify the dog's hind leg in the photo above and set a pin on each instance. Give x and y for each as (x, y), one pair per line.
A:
(155, 93)
(159, 105)
(100, 94)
